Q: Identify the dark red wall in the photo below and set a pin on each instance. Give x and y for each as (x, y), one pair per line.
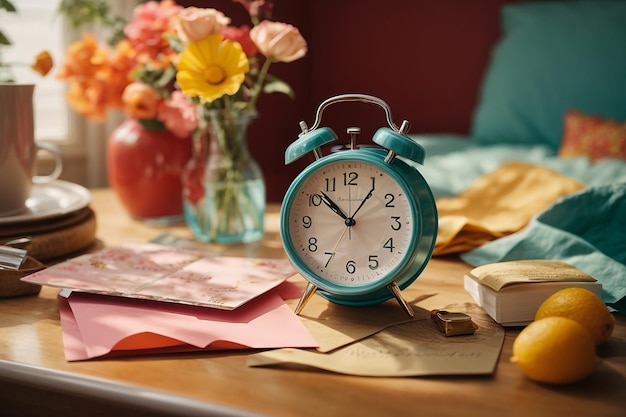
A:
(426, 59)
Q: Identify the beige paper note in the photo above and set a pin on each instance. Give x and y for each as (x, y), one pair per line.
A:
(413, 348)
(333, 325)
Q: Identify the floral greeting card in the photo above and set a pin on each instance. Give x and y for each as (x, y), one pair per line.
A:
(164, 273)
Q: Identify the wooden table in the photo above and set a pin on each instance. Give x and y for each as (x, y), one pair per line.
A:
(35, 379)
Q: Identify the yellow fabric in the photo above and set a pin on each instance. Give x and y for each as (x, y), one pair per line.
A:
(497, 204)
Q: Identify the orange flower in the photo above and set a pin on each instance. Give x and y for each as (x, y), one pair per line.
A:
(140, 100)
(160, 62)
(88, 98)
(43, 63)
(117, 73)
(97, 76)
(86, 93)
(82, 58)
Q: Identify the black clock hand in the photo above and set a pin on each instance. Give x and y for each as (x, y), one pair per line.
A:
(333, 206)
(367, 197)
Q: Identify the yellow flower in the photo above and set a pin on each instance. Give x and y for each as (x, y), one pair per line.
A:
(211, 68)
(43, 63)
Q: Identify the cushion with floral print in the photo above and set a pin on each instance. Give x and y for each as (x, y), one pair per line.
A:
(592, 136)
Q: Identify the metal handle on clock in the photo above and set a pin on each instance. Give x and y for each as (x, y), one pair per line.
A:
(342, 98)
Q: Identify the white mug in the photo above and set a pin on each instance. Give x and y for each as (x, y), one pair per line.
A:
(19, 150)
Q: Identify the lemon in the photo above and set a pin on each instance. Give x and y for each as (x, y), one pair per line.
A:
(582, 306)
(555, 350)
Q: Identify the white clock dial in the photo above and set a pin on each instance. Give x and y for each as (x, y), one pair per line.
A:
(352, 224)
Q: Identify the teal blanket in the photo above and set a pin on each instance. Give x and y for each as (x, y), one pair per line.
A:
(586, 229)
(453, 163)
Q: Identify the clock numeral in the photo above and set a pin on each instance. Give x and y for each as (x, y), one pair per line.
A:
(389, 244)
(349, 178)
(373, 262)
(306, 222)
(389, 198)
(396, 225)
(330, 255)
(351, 267)
(315, 200)
(312, 244)
(330, 184)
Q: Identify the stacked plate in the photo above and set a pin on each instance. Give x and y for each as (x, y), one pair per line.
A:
(57, 219)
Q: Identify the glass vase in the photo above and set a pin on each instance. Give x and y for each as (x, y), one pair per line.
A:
(223, 186)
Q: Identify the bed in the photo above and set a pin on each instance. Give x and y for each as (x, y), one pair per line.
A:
(548, 140)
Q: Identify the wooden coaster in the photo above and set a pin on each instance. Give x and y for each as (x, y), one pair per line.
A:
(10, 284)
(28, 227)
(56, 238)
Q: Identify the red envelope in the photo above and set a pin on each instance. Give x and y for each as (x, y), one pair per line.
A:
(100, 325)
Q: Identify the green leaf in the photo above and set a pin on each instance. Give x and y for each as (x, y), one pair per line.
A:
(279, 86)
(174, 42)
(166, 76)
(4, 40)
(117, 25)
(81, 13)
(152, 124)
(239, 105)
(8, 6)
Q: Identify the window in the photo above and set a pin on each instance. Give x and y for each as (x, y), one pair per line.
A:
(37, 26)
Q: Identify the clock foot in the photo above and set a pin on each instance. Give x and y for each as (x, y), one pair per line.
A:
(308, 293)
(398, 294)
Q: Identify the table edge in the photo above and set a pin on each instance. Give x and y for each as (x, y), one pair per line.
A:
(116, 392)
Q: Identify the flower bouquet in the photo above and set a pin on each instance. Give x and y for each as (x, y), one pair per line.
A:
(147, 152)
(192, 70)
(223, 70)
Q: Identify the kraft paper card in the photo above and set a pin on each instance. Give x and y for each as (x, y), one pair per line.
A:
(97, 325)
(413, 348)
(159, 272)
(334, 325)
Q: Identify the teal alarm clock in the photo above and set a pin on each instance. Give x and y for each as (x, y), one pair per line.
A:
(358, 224)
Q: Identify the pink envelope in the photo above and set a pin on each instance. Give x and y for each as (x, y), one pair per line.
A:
(100, 325)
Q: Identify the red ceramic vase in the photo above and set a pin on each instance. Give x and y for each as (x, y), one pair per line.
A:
(144, 168)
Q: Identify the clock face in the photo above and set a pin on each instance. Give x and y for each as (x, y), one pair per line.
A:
(351, 226)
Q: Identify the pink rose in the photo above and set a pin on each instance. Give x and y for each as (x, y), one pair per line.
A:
(242, 36)
(178, 115)
(195, 23)
(140, 100)
(279, 41)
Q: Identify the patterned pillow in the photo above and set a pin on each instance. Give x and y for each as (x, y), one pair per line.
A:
(592, 136)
